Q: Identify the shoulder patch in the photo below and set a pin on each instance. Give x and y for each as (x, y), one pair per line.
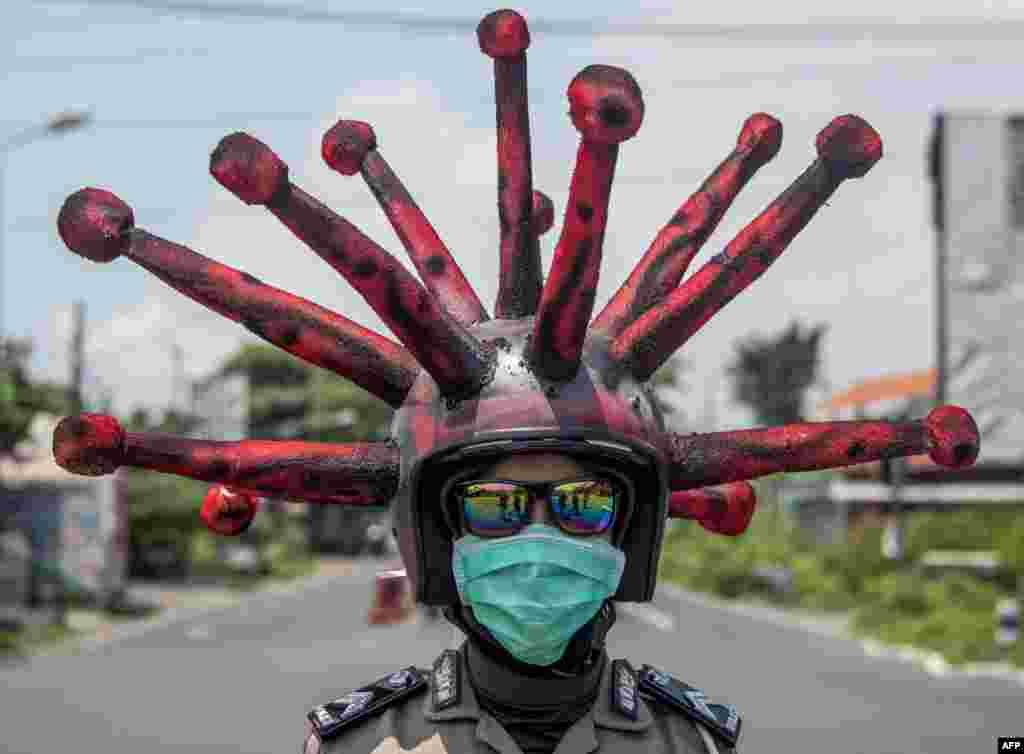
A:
(721, 719)
(331, 718)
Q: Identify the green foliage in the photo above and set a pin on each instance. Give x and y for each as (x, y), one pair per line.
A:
(771, 375)
(289, 398)
(953, 613)
(21, 398)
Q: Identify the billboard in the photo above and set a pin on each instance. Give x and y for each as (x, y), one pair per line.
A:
(978, 166)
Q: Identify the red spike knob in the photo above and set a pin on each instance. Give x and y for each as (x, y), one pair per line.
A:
(605, 104)
(543, 213)
(89, 444)
(724, 509)
(345, 145)
(248, 168)
(95, 224)
(228, 512)
(503, 34)
(952, 437)
(762, 135)
(850, 146)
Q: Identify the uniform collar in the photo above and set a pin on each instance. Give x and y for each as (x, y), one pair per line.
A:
(604, 713)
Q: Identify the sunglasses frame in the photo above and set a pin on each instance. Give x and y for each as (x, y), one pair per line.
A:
(623, 511)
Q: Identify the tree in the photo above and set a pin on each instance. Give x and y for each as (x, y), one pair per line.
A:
(771, 375)
(669, 380)
(20, 397)
(289, 398)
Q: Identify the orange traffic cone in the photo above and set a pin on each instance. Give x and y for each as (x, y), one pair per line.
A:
(392, 599)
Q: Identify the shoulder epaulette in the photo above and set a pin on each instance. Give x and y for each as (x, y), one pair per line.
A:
(331, 718)
(721, 719)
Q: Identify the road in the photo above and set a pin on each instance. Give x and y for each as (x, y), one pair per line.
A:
(241, 678)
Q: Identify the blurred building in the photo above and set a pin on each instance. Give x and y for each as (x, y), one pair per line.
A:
(836, 506)
(59, 532)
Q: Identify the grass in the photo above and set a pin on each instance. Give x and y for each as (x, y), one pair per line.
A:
(952, 613)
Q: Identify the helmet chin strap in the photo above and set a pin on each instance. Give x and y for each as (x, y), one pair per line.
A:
(583, 649)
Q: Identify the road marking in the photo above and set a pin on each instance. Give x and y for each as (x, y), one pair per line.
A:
(198, 633)
(652, 616)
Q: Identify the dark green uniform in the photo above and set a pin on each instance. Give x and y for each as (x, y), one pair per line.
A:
(438, 712)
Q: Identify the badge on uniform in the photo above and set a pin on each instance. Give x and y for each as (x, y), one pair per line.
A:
(328, 719)
(446, 686)
(720, 719)
(624, 689)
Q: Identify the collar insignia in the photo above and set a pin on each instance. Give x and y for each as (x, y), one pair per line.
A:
(624, 689)
(721, 719)
(446, 686)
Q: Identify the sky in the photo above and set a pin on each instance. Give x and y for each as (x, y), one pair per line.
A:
(165, 87)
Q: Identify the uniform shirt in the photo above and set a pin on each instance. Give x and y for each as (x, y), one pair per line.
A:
(414, 725)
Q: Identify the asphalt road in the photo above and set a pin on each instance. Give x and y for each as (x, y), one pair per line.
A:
(240, 679)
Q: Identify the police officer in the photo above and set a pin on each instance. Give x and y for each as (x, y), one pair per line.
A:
(529, 470)
(533, 674)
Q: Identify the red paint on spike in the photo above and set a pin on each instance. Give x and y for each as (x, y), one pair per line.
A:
(94, 224)
(248, 169)
(350, 146)
(503, 36)
(724, 509)
(849, 151)
(354, 473)
(371, 361)
(705, 459)
(669, 255)
(440, 345)
(89, 444)
(228, 512)
(543, 215)
(953, 439)
(606, 107)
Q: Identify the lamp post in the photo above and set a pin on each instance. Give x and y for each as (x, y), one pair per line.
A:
(58, 124)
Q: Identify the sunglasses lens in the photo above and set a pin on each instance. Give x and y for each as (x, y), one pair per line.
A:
(494, 509)
(585, 507)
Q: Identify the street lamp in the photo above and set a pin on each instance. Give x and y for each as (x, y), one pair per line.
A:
(58, 124)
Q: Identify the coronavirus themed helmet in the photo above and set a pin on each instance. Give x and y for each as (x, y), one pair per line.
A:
(540, 373)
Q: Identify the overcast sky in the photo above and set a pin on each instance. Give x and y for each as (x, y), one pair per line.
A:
(165, 87)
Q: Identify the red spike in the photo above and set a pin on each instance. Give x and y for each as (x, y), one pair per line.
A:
(504, 36)
(607, 108)
(723, 509)
(357, 473)
(350, 147)
(228, 512)
(672, 250)
(99, 226)
(543, 215)
(847, 148)
(948, 434)
(443, 347)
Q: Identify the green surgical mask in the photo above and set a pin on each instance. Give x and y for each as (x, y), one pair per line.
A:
(533, 591)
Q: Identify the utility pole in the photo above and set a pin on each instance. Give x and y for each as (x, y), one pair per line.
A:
(77, 356)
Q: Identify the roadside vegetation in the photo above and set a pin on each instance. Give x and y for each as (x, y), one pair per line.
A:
(949, 611)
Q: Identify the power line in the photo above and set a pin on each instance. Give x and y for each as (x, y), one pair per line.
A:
(833, 29)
